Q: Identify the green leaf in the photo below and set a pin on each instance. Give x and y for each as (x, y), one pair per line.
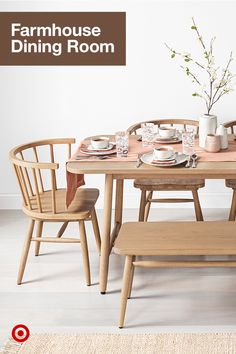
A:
(172, 55)
(186, 59)
(194, 94)
(194, 28)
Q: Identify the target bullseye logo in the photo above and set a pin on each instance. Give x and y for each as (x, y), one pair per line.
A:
(20, 333)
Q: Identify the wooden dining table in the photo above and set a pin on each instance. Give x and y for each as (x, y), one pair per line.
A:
(120, 171)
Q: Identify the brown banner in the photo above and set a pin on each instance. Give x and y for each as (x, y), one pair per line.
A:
(62, 38)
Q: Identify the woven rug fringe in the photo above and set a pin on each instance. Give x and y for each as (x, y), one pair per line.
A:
(11, 347)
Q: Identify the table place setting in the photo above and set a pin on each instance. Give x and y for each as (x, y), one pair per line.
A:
(99, 146)
(164, 156)
(168, 136)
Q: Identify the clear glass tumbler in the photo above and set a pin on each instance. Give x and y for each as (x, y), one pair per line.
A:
(148, 131)
(122, 144)
(188, 142)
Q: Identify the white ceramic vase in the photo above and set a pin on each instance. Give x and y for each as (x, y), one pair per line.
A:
(207, 125)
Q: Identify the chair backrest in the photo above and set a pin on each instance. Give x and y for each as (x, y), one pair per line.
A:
(30, 172)
(184, 123)
(231, 125)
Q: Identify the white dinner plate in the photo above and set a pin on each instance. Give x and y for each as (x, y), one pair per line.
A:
(148, 158)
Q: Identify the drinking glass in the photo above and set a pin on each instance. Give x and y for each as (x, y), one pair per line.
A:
(148, 133)
(122, 144)
(188, 142)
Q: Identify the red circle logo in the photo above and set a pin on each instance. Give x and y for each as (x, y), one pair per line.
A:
(20, 333)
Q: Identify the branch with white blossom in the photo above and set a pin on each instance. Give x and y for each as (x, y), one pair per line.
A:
(217, 87)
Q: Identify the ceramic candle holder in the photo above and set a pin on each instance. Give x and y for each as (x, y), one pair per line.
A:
(212, 143)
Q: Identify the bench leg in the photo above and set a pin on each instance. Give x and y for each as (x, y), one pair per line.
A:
(197, 206)
(125, 289)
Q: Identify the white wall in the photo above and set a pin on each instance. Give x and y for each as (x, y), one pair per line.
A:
(40, 102)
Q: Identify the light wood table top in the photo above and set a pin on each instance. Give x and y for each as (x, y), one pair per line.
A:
(211, 170)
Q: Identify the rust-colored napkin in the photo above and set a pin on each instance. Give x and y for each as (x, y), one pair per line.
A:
(74, 181)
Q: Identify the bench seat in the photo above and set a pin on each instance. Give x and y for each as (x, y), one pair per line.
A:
(177, 238)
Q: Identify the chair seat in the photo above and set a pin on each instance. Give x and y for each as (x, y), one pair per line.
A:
(176, 238)
(168, 184)
(231, 183)
(81, 207)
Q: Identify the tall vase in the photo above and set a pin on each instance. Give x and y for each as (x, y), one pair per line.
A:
(207, 125)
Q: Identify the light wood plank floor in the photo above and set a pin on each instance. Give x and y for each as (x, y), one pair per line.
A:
(54, 297)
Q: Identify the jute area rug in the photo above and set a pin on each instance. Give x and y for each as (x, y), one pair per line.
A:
(181, 343)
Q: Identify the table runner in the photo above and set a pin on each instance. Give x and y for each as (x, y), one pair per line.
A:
(135, 147)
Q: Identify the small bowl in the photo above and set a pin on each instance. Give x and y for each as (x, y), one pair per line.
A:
(101, 142)
(163, 152)
(166, 132)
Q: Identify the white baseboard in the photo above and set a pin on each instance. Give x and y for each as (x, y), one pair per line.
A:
(131, 200)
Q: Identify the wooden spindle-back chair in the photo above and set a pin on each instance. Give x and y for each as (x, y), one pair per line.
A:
(148, 186)
(231, 126)
(44, 201)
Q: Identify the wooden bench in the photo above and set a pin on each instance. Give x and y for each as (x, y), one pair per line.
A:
(212, 238)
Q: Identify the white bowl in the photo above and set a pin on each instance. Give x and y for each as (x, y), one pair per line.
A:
(166, 132)
(163, 152)
(101, 142)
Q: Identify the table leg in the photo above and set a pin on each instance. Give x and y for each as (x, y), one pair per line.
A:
(118, 210)
(119, 201)
(105, 242)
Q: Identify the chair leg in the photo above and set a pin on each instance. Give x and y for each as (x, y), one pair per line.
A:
(38, 234)
(232, 213)
(197, 206)
(96, 230)
(25, 251)
(131, 278)
(84, 248)
(142, 205)
(125, 289)
(62, 229)
(148, 205)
